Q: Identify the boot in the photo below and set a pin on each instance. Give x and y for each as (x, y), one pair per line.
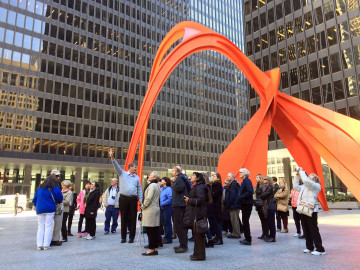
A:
(209, 244)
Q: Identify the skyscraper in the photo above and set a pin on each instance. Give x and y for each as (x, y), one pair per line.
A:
(316, 45)
(74, 73)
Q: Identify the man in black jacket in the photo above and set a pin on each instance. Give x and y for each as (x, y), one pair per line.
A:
(180, 190)
(246, 202)
(233, 206)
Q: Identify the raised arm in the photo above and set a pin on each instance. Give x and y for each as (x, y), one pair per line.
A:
(308, 183)
(117, 167)
(296, 185)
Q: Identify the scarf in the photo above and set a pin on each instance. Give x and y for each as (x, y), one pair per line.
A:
(87, 193)
(64, 190)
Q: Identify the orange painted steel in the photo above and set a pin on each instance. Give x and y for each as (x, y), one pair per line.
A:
(308, 131)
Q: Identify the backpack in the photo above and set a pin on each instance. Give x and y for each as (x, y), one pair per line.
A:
(187, 182)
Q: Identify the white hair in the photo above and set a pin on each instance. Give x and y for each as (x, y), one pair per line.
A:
(231, 174)
(156, 174)
(244, 170)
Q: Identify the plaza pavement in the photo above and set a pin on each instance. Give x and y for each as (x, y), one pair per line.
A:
(339, 229)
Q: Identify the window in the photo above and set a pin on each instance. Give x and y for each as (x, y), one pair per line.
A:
(354, 27)
(347, 58)
(289, 29)
(301, 49)
(339, 90)
(327, 93)
(293, 77)
(283, 58)
(316, 95)
(329, 10)
(279, 13)
(324, 66)
(271, 15)
(332, 39)
(303, 73)
(298, 25)
(308, 20)
(344, 31)
(310, 43)
(284, 80)
(318, 16)
(335, 62)
(280, 33)
(313, 70)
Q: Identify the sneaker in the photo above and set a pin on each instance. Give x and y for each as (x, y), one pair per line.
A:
(39, 248)
(307, 250)
(317, 253)
(90, 237)
(296, 235)
(113, 232)
(46, 248)
(284, 231)
(79, 234)
(106, 233)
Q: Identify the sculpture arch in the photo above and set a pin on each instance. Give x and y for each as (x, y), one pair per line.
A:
(314, 132)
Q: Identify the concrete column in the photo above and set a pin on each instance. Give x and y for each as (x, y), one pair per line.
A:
(78, 175)
(27, 174)
(287, 172)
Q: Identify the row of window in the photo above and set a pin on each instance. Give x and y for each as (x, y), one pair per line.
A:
(20, 40)
(18, 59)
(315, 69)
(36, 145)
(330, 37)
(323, 94)
(285, 8)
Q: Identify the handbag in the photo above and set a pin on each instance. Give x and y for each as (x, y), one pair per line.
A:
(306, 205)
(258, 203)
(282, 208)
(201, 225)
(59, 206)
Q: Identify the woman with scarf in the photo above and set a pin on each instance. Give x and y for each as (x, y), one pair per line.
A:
(67, 194)
(81, 203)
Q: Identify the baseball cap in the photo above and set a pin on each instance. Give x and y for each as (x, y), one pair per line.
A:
(55, 172)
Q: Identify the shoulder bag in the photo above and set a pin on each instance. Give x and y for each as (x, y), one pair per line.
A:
(59, 208)
(306, 204)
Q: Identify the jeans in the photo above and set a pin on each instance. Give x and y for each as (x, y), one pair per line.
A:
(246, 213)
(57, 227)
(165, 216)
(271, 221)
(179, 212)
(212, 225)
(111, 212)
(153, 234)
(63, 226)
(278, 221)
(312, 233)
(128, 208)
(298, 221)
(199, 245)
(218, 232)
(45, 229)
(81, 219)
(235, 222)
(70, 218)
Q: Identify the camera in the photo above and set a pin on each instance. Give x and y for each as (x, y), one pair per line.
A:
(113, 197)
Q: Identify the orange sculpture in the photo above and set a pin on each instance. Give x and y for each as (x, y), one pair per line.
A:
(308, 131)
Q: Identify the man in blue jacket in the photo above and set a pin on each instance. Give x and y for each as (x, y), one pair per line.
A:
(233, 206)
(246, 202)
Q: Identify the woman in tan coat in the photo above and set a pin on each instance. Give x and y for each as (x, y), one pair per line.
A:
(151, 214)
(282, 201)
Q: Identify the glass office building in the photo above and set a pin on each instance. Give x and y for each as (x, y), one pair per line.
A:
(316, 44)
(73, 74)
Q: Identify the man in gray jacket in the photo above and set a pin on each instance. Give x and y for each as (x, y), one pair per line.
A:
(111, 202)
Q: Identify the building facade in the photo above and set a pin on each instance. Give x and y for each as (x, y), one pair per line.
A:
(316, 44)
(73, 74)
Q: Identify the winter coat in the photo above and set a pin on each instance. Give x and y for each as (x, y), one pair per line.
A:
(233, 193)
(268, 199)
(217, 195)
(282, 197)
(307, 185)
(210, 206)
(246, 192)
(107, 194)
(80, 202)
(66, 201)
(196, 205)
(151, 206)
(44, 201)
(92, 204)
(179, 191)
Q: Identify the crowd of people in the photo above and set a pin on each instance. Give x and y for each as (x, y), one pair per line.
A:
(173, 206)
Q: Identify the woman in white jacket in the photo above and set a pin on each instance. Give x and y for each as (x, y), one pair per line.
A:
(310, 188)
